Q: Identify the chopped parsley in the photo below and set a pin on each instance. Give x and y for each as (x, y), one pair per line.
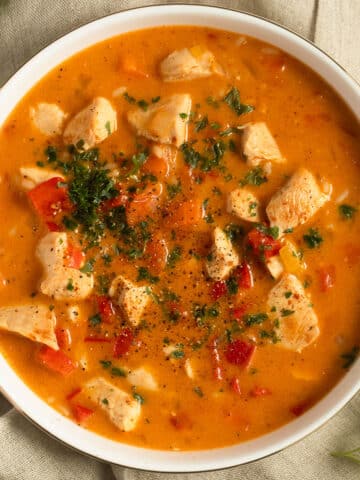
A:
(139, 398)
(201, 124)
(287, 294)
(313, 239)
(254, 177)
(232, 99)
(108, 127)
(234, 232)
(286, 313)
(198, 392)
(254, 318)
(270, 231)
(174, 256)
(232, 286)
(70, 285)
(177, 354)
(183, 115)
(347, 211)
(118, 372)
(207, 160)
(212, 102)
(173, 189)
(95, 319)
(128, 98)
(144, 274)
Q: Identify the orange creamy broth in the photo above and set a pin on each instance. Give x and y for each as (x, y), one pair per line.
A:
(312, 127)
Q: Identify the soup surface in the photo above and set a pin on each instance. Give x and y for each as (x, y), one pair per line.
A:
(179, 248)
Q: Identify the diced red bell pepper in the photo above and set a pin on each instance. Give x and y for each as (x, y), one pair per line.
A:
(123, 342)
(75, 257)
(56, 360)
(238, 312)
(81, 413)
(105, 307)
(120, 199)
(235, 385)
(327, 277)
(218, 290)
(239, 352)
(73, 393)
(243, 275)
(63, 338)
(95, 339)
(53, 227)
(48, 198)
(260, 392)
(299, 409)
(263, 246)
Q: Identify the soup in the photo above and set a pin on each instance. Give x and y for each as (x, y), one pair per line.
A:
(179, 256)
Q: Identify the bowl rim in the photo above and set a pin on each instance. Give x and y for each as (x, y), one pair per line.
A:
(80, 439)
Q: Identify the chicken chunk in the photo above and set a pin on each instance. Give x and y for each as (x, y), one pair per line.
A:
(132, 299)
(30, 177)
(35, 322)
(92, 125)
(48, 118)
(296, 202)
(275, 266)
(59, 281)
(259, 145)
(162, 122)
(166, 152)
(244, 204)
(298, 322)
(189, 64)
(223, 256)
(141, 377)
(122, 409)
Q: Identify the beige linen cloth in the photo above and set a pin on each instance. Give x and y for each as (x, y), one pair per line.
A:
(26, 453)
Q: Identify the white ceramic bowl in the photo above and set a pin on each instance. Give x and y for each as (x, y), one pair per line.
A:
(36, 409)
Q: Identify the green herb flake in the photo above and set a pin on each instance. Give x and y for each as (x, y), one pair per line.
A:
(232, 286)
(144, 274)
(118, 372)
(143, 105)
(40, 164)
(313, 239)
(105, 401)
(177, 354)
(173, 189)
(128, 98)
(88, 266)
(255, 177)
(108, 127)
(347, 212)
(155, 99)
(286, 313)
(105, 363)
(201, 124)
(232, 99)
(139, 398)
(198, 392)
(95, 319)
(174, 256)
(183, 115)
(212, 102)
(70, 285)
(287, 294)
(254, 318)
